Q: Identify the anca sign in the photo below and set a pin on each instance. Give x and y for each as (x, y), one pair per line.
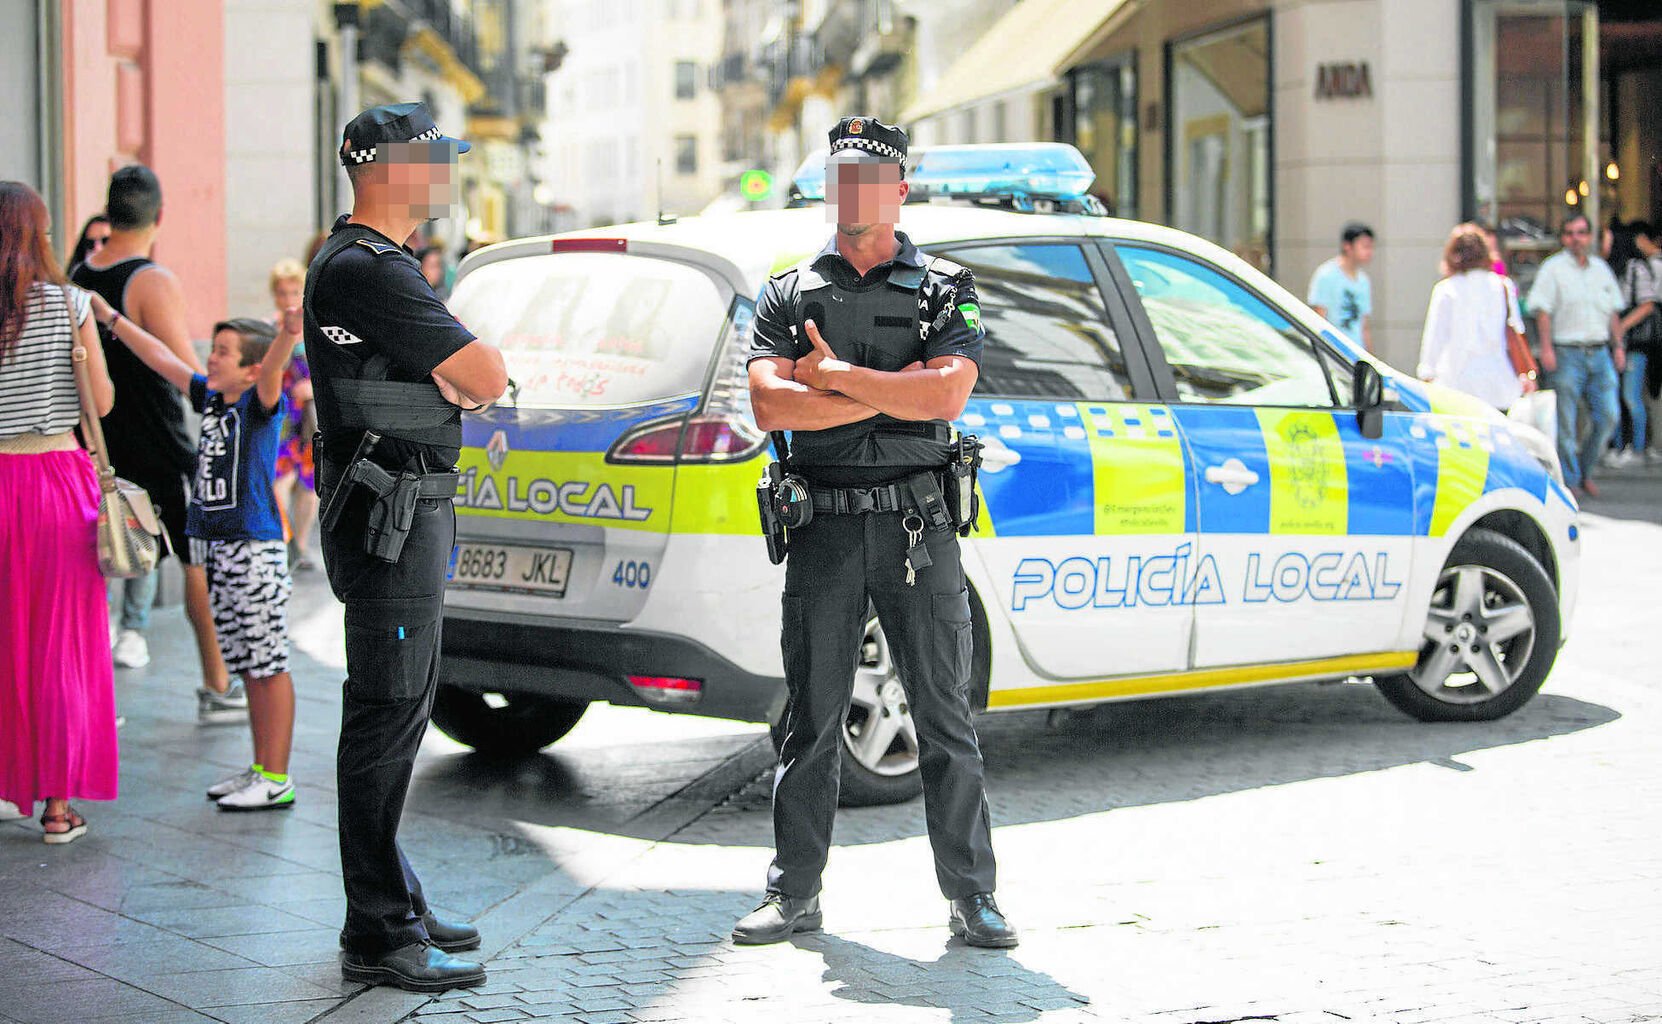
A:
(1344, 81)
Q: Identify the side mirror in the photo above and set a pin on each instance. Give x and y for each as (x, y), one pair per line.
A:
(1368, 391)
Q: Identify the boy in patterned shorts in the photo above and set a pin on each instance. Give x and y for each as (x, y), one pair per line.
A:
(235, 531)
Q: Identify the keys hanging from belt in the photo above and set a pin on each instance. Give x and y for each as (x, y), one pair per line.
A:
(917, 555)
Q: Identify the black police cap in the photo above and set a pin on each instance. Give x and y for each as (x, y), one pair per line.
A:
(869, 135)
(396, 122)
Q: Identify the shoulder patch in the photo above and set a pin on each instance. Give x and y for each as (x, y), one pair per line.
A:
(380, 248)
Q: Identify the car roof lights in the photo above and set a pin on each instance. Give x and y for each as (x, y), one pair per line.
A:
(1030, 177)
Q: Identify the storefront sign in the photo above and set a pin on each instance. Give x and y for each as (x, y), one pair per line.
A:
(1344, 81)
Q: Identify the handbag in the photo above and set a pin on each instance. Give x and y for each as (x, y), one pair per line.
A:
(130, 535)
(1517, 346)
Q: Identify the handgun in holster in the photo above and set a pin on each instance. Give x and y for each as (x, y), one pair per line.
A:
(783, 500)
(393, 500)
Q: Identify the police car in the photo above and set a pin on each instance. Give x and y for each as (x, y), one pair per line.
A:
(1191, 482)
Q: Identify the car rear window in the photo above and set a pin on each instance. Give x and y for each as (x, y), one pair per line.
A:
(595, 328)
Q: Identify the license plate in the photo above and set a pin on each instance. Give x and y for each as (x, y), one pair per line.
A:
(508, 567)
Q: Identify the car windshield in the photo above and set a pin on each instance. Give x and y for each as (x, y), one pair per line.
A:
(595, 328)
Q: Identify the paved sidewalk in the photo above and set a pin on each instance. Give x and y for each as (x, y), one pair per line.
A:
(1298, 854)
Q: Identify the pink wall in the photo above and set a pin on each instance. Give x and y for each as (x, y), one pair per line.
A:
(145, 81)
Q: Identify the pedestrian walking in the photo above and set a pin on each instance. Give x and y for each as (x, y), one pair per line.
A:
(94, 234)
(1463, 345)
(1576, 303)
(296, 479)
(57, 691)
(234, 529)
(1340, 289)
(865, 351)
(146, 429)
(391, 369)
(1641, 329)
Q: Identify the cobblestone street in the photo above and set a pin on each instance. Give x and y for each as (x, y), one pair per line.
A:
(1301, 854)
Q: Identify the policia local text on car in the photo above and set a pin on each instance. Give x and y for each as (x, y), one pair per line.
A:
(864, 353)
(392, 370)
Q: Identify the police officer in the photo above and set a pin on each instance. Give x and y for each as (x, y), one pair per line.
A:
(865, 352)
(391, 370)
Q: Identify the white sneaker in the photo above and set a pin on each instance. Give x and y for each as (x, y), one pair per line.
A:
(262, 795)
(9, 811)
(1626, 457)
(132, 650)
(1652, 456)
(231, 783)
(216, 708)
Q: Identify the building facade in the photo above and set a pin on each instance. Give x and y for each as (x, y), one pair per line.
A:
(1266, 125)
(634, 126)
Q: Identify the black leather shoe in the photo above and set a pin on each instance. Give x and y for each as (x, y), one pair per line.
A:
(450, 936)
(978, 921)
(418, 967)
(777, 919)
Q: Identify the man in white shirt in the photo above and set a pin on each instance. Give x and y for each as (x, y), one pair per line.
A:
(1577, 307)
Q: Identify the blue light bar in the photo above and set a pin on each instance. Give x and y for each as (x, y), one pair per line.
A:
(1026, 176)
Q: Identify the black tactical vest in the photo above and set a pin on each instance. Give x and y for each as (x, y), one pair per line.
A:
(874, 327)
(353, 393)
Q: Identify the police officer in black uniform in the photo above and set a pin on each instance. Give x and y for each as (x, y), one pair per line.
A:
(864, 353)
(391, 370)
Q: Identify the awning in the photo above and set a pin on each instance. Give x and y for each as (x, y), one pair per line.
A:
(1025, 49)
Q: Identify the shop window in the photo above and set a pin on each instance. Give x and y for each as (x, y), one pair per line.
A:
(1533, 155)
(1218, 138)
(1104, 128)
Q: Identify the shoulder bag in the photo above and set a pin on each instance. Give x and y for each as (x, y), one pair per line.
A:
(1517, 346)
(130, 535)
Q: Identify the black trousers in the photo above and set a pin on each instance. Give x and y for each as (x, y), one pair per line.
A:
(393, 615)
(836, 565)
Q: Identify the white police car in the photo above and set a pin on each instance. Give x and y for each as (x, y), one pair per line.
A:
(1192, 482)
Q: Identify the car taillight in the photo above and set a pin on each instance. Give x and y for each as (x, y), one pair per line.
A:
(700, 439)
(589, 245)
(667, 689)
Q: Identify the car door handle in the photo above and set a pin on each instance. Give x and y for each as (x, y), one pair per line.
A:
(1233, 476)
(996, 456)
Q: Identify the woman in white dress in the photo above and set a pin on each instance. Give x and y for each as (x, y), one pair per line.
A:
(1464, 344)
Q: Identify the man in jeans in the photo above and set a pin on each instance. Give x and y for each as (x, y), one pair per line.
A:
(145, 431)
(1577, 306)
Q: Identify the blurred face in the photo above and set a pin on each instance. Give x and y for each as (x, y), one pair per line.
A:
(1646, 244)
(286, 293)
(1360, 250)
(226, 374)
(861, 194)
(1577, 238)
(97, 235)
(420, 178)
(432, 267)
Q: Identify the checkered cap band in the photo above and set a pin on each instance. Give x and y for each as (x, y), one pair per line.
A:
(881, 149)
(366, 156)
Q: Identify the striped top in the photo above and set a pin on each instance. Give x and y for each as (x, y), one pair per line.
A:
(37, 378)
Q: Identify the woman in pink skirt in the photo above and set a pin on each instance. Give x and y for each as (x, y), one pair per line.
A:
(57, 694)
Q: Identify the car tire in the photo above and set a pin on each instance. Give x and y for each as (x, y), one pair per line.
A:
(523, 724)
(892, 777)
(1490, 586)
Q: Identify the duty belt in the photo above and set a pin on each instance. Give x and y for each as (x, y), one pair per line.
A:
(893, 497)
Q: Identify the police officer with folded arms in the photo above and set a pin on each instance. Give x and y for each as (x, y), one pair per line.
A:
(864, 353)
(392, 371)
